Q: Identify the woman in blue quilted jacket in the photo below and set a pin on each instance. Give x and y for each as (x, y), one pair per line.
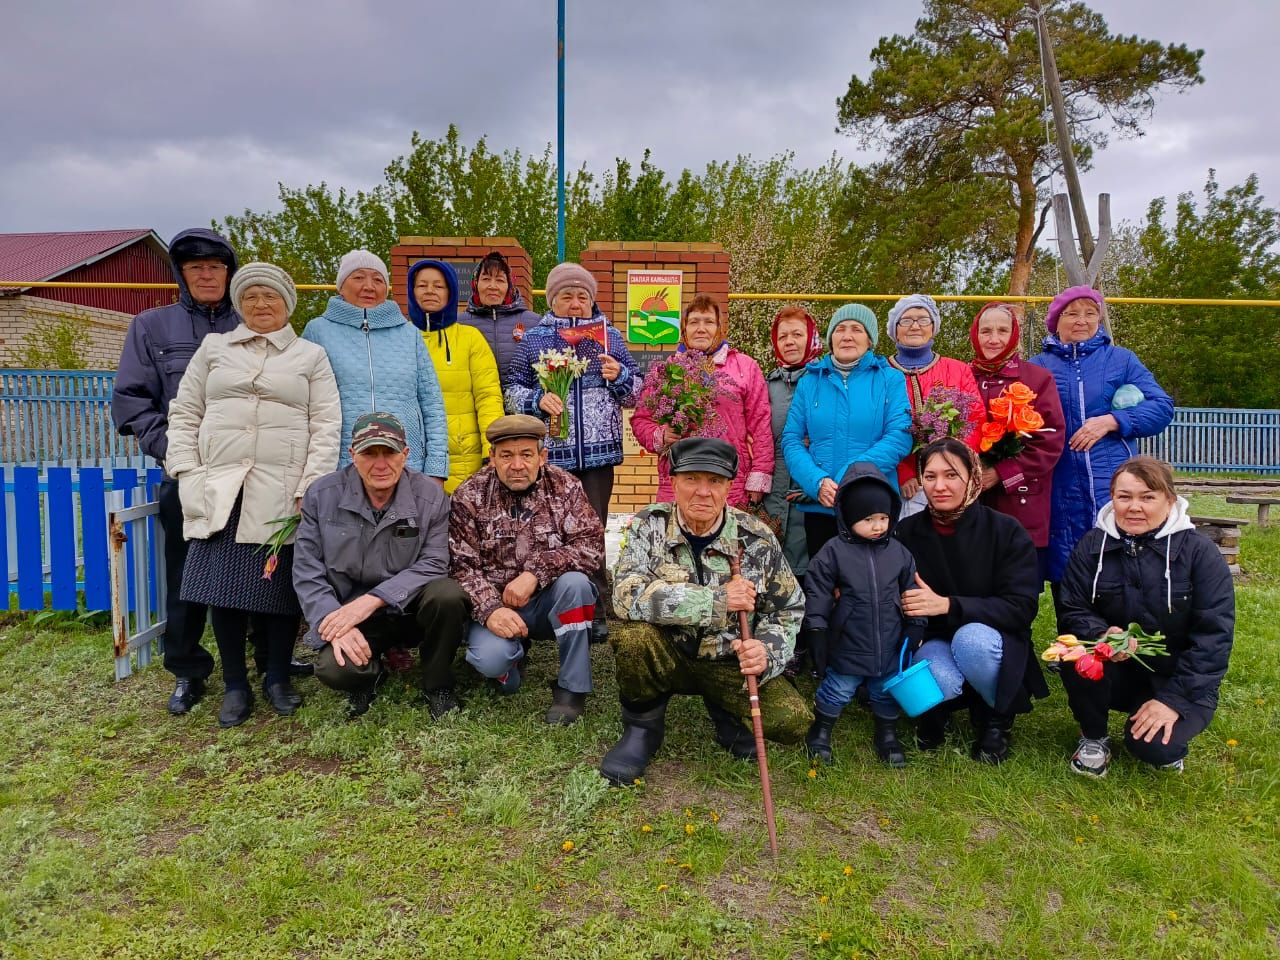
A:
(1109, 400)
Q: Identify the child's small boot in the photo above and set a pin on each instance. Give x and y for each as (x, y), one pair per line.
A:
(888, 747)
(818, 739)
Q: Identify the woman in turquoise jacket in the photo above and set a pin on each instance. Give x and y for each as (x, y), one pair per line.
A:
(381, 363)
(851, 406)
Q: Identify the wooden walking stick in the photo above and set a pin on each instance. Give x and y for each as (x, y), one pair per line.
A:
(757, 725)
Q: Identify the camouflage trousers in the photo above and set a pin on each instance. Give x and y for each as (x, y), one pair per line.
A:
(649, 666)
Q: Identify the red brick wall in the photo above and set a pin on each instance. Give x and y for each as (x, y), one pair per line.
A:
(706, 271)
(458, 250)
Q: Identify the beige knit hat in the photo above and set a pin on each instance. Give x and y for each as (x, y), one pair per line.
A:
(565, 275)
(259, 274)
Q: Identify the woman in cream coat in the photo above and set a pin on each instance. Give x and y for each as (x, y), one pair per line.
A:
(255, 421)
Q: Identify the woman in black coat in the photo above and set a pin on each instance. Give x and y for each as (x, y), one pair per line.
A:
(979, 586)
(1145, 563)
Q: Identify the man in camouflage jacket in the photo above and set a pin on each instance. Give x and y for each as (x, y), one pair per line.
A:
(673, 581)
(523, 542)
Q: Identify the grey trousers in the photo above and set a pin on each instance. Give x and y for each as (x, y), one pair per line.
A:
(562, 612)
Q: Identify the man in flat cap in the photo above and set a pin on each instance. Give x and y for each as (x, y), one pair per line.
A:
(673, 582)
(371, 567)
(524, 542)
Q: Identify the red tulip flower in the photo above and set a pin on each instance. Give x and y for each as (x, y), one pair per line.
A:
(1103, 650)
(1089, 667)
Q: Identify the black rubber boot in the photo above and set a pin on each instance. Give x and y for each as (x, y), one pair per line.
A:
(642, 733)
(566, 707)
(991, 743)
(931, 728)
(818, 740)
(730, 732)
(888, 746)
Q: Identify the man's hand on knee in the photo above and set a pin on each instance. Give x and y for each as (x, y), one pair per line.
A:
(506, 623)
(519, 591)
(347, 616)
(353, 647)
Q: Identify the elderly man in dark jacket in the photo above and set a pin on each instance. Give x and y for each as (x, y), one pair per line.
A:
(371, 567)
(160, 343)
(524, 541)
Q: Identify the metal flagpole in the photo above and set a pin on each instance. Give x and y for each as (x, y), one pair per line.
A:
(560, 131)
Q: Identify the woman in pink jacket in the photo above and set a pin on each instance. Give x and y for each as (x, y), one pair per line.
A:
(742, 408)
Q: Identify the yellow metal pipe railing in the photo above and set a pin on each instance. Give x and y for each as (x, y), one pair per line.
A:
(943, 297)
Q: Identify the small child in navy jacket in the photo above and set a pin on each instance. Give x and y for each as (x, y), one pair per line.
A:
(853, 611)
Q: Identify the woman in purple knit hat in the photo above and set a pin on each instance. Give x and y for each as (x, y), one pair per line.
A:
(1109, 400)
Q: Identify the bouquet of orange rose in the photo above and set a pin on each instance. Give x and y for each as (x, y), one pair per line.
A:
(1089, 656)
(1010, 421)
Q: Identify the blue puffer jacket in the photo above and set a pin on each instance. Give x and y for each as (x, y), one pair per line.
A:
(160, 344)
(862, 417)
(1088, 374)
(594, 405)
(381, 363)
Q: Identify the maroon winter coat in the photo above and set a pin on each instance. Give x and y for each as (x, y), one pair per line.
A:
(1026, 481)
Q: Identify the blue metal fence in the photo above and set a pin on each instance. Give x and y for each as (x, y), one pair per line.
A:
(57, 538)
(1213, 440)
(62, 417)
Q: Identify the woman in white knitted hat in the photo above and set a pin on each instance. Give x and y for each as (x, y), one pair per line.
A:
(255, 421)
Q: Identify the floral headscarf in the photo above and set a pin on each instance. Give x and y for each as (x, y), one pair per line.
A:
(812, 350)
(993, 365)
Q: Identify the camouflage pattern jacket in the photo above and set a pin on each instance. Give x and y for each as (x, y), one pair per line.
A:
(496, 535)
(655, 580)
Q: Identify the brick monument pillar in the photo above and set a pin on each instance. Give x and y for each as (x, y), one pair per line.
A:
(463, 254)
(705, 270)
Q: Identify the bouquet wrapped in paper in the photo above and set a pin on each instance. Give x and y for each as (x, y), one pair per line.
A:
(556, 370)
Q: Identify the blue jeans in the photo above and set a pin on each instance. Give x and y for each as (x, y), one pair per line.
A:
(973, 654)
(837, 689)
(571, 596)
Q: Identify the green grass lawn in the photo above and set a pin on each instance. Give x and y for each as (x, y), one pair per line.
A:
(127, 833)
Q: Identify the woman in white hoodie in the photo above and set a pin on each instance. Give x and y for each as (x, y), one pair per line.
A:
(1145, 563)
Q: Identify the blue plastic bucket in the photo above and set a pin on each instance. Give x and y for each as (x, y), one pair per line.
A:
(914, 688)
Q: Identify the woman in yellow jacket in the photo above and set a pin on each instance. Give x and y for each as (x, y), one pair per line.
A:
(464, 365)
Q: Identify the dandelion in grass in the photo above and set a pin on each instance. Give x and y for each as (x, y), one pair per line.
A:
(848, 870)
(567, 846)
(1233, 743)
(664, 887)
(688, 829)
(646, 828)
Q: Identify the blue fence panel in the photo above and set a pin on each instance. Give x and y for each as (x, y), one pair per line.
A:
(1212, 440)
(93, 539)
(26, 517)
(59, 507)
(125, 481)
(61, 417)
(4, 528)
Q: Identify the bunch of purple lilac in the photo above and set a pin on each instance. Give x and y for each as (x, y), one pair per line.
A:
(680, 393)
(944, 413)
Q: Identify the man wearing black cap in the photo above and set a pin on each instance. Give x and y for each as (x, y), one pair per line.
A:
(160, 343)
(673, 581)
(524, 542)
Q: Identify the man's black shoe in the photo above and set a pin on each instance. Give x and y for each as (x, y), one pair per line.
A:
(599, 630)
(237, 707)
(441, 701)
(358, 703)
(731, 733)
(300, 668)
(186, 694)
(566, 707)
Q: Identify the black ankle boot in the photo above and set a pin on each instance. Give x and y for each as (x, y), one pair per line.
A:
(991, 743)
(731, 733)
(642, 733)
(818, 739)
(931, 728)
(888, 747)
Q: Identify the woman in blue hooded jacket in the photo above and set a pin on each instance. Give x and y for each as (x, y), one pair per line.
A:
(381, 363)
(850, 406)
(1109, 400)
(464, 365)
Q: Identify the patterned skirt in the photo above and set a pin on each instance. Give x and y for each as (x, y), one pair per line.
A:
(223, 573)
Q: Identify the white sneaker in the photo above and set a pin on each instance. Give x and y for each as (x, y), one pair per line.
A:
(1175, 767)
(1092, 757)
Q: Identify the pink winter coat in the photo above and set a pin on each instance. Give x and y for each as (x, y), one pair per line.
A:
(742, 418)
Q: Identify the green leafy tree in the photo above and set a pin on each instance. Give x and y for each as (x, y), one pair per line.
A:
(57, 341)
(962, 98)
(1225, 246)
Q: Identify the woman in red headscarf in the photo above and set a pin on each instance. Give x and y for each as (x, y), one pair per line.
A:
(796, 342)
(1019, 485)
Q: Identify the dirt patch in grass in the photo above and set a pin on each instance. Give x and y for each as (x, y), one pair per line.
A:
(753, 895)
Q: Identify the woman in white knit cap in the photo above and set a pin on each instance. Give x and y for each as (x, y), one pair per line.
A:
(381, 363)
(255, 421)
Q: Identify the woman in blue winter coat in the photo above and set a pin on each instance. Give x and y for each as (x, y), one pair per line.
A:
(381, 363)
(850, 406)
(1109, 400)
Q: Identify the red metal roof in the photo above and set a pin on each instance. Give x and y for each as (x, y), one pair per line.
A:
(44, 256)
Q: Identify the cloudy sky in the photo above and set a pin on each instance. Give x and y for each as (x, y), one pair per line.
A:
(167, 115)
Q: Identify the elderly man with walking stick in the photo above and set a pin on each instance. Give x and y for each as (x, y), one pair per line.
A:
(674, 581)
